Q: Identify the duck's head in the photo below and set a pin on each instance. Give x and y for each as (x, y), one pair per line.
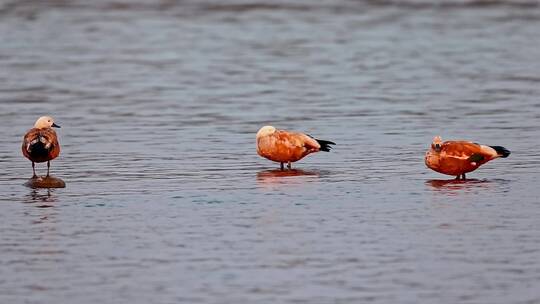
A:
(266, 130)
(437, 143)
(45, 122)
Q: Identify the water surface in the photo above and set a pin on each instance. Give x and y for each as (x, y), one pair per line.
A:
(167, 201)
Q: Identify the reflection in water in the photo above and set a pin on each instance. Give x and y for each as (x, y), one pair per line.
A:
(45, 197)
(454, 186)
(278, 176)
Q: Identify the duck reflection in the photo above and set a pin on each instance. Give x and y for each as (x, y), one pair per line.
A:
(454, 186)
(44, 198)
(291, 176)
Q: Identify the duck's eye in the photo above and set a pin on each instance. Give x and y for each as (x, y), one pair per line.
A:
(49, 120)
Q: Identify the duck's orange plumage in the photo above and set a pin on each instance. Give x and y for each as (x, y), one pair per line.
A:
(40, 144)
(459, 157)
(287, 147)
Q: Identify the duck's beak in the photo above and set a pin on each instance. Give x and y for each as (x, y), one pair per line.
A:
(55, 125)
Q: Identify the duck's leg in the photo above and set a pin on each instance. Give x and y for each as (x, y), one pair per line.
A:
(282, 168)
(463, 176)
(458, 177)
(34, 170)
(289, 165)
(48, 167)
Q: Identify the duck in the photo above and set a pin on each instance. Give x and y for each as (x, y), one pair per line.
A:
(40, 144)
(287, 147)
(458, 157)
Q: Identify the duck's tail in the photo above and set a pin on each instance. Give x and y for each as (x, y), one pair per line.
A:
(325, 145)
(501, 151)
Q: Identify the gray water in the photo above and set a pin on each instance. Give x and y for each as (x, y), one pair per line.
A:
(168, 202)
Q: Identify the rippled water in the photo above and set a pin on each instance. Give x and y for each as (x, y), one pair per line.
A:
(167, 201)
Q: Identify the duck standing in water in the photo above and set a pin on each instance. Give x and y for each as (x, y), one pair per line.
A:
(287, 147)
(40, 144)
(459, 157)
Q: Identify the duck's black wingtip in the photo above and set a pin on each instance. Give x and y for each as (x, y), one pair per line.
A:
(325, 145)
(501, 151)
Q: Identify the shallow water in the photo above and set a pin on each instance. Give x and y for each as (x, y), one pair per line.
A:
(167, 201)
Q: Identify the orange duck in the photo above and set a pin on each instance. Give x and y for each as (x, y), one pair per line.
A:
(459, 157)
(287, 147)
(40, 144)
